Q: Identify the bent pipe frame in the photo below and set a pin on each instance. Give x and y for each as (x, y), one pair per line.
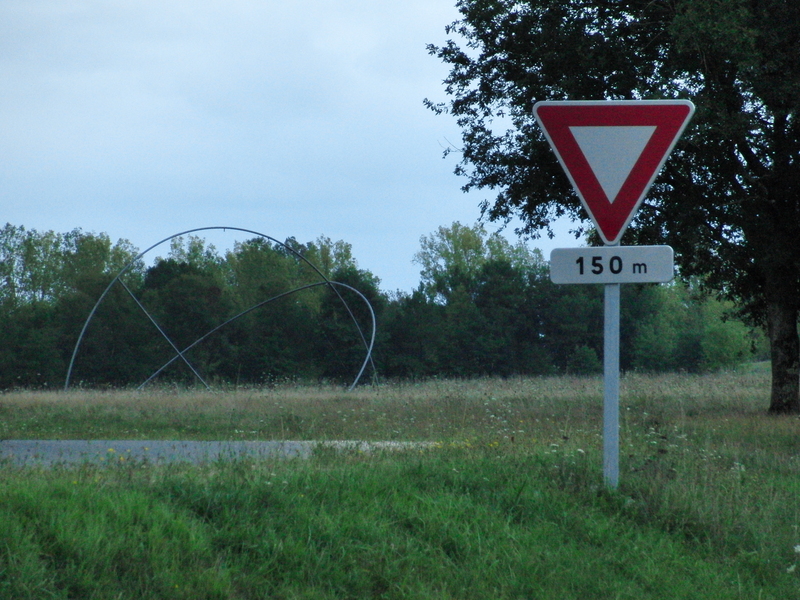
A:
(325, 281)
(158, 327)
(164, 335)
(180, 353)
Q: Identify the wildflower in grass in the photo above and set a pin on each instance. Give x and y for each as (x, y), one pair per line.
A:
(791, 568)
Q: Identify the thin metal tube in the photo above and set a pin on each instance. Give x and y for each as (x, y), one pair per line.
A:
(166, 337)
(368, 345)
(259, 305)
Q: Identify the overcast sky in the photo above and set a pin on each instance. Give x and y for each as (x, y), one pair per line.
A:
(298, 118)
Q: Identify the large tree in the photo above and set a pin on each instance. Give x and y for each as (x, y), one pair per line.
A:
(728, 199)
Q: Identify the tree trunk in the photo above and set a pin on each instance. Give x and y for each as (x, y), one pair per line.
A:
(785, 354)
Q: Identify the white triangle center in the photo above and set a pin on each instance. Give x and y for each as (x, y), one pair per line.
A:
(612, 152)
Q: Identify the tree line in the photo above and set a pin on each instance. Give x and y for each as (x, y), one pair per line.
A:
(483, 307)
(728, 198)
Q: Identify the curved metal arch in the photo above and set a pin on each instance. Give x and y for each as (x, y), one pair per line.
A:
(259, 305)
(325, 281)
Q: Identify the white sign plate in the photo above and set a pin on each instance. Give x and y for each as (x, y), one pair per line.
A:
(612, 264)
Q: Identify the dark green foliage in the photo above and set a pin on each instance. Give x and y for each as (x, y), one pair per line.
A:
(117, 341)
(29, 354)
(728, 199)
(411, 325)
(345, 322)
(573, 322)
(484, 308)
(187, 303)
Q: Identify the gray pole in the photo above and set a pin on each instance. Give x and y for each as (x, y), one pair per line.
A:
(611, 385)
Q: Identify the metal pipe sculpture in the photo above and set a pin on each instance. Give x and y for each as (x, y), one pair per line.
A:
(368, 345)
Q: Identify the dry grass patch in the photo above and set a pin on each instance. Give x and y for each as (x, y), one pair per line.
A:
(546, 410)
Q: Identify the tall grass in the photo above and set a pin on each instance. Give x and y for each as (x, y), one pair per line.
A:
(474, 523)
(508, 503)
(541, 408)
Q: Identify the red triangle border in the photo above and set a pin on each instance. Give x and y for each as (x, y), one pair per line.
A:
(669, 117)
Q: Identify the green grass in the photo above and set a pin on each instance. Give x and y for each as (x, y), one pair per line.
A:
(508, 504)
(544, 409)
(477, 523)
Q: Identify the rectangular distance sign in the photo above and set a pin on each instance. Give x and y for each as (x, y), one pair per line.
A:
(612, 264)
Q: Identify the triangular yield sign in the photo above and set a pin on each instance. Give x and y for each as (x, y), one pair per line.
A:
(612, 151)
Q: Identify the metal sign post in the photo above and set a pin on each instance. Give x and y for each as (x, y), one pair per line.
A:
(611, 310)
(612, 152)
(611, 266)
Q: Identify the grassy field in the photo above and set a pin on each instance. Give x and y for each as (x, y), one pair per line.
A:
(508, 503)
(538, 409)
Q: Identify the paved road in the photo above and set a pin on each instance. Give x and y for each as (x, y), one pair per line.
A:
(52, 452)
